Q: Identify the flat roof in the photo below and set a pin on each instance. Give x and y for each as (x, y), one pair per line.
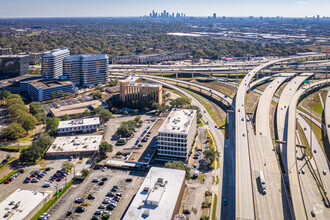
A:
(75, 108)
(14, 56)
(75, 144)
(49, 83)
(26, 200)
(178, 121)
(131, 79)
(86, 57)
(79, 122)
(145, 84)
(23, 78)
(166, 195)
(55, 52)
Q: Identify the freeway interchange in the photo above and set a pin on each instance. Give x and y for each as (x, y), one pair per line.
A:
(269, 141)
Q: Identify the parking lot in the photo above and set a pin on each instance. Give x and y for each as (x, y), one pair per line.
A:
(82, 190)
(18, 182)
(80, 99)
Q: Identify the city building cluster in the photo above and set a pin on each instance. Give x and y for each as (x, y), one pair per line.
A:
(165, 14)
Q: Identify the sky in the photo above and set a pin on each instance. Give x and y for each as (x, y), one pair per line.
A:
(136, 8)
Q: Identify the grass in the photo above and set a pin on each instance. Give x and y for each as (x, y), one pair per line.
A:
(201, 177)
(317, 130)
(52, 201)
(28, 138)
(120, 143)
(217, 180)
(9, 175)
(214, 210)
(8, 162)
(304, 139)
(13, 148)
(175, 92)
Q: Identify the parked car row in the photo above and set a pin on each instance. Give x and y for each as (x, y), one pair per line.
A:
(58, 176)
(12, 177)
(35, 176)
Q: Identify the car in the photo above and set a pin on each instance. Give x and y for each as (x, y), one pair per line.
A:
(195, 165)
(305, 128)
(101, 183)
(21, 171)
(95, 217)
(324, 172)
(106, 214)
(315, 151)
(91, 196)
(119, 194)
(303, 171)
(111, 194)
(98, 212)
(313, 213)
(80, 209)
(243, 134)
(260, 133)
(144, 139)
(95, 180)
(113, 204)
(114, 189)
(216, 126)
(242, 119)
(110, 207)
(195, 157)
(47, 184)
(7, 181)
(129, 180)
(106, 201)
(104, 178)
(186, 211)
(71, 210)
(225, 202)
(102, 206)
(207, 122)
(28, 178)
(47, 169)
(104, 169)
(34, 180)
(117, 199)
(78, 200)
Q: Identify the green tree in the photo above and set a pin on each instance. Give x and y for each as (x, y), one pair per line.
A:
(66, 117)
(13, 132)
(179, 165)
(84, 173)
(104, 148)
(103, 113)
(67, 165)
(52, 124)
(37, 110)
(28, 125)
(97, 95)
(87, 112)
(181, 102)
(4, 94)
(210, 155)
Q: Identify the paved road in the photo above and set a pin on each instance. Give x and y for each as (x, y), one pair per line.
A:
(327, 114)
(263, 155)
(282, 110)
(295, 186)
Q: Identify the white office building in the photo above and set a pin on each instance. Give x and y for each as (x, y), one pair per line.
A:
(52, 62)
(76, 126)
(176, 135)
(86, 70)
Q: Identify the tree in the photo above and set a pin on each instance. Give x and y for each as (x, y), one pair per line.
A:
(104, 148)
(97, 96)
(179, 165)
(84, 173)
(67, 165)
(38, 111)
(28, 125)
(13, 132)
(210, 155)
(52, 124)
(66, 117)
(181, 101)
(124, 130)
(4, 94)
(166, 95)
(113, 82)
(103, 113)
(87, 112)
(135, 111)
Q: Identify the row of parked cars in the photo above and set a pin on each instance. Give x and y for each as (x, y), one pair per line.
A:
(144, 137)
(35, 176)
(58, 176)
(197, 154)
(12, 177)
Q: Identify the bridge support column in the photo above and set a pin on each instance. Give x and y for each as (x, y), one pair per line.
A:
(162, 74)
(176, 75)
(192, 75)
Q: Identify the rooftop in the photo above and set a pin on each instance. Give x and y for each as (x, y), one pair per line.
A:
(14, 56)
(49, 83)
(79, 122)
(157, 196)
(55, 52)
(178, 121)
(86, 57)
(78, 108)
(75, 143)
(131, 79)
(145, 84)
(25, 78)
(20, 203)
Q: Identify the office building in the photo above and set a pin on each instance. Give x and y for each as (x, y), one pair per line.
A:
(42, 89)
(176, 135)
(214, 15)
(23, 204)
(135, 94)
(159, 197)
(78, 126)
(34, 58)
(52, 62)
(13, 65)
(86, 70)
(6, 51)
(74, 146)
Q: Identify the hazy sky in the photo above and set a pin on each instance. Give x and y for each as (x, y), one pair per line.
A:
(118, 8)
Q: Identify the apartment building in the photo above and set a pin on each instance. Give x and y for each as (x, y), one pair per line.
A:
(86, 70)
(52, 62)
(135, 94)
(13, 66)
(176, 135)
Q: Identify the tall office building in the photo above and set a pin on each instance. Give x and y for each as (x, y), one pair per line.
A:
(214, 15)
(86, 70)
(13, 65)
(52, 62)
(6, 51)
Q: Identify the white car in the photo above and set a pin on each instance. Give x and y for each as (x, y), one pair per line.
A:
(95, 180)
(324, 172)
(47, 184)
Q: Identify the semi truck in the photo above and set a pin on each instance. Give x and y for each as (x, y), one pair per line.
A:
(262, 182)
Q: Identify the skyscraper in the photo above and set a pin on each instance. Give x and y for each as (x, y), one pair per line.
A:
(86, 70)
(214, 15)
(52, 62)
(13, 65)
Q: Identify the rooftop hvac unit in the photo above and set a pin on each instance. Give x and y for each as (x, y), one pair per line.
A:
(146, 189)
(146, 212)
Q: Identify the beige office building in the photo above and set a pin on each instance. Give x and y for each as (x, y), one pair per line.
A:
(135, 94)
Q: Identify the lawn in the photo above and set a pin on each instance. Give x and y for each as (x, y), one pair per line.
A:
(214, 210)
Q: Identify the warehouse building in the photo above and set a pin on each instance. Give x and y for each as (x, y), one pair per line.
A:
(43, 89)
(135, 94)
(52, 63)
(177, 134)
(86, 70)
(22, 204)
(13, 66)
(159, 197)
(74, 146)
(78, 126)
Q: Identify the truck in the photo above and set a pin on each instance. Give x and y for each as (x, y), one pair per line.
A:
(262, 182)
(196, 173)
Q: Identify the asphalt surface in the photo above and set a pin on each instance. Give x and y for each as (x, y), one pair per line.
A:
(327, 115)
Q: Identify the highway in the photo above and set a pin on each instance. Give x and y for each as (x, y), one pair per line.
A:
(295, 186)
(263, 155)
(282, 110)
(327, 115)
